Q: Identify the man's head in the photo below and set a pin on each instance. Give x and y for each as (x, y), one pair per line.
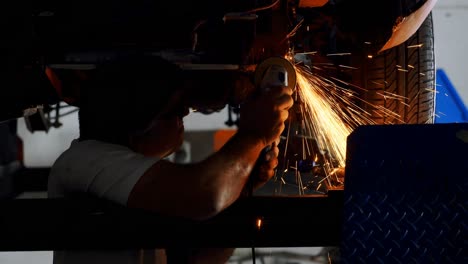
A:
(164, 133)
(122, 99)
(137, 100)
(128, 101)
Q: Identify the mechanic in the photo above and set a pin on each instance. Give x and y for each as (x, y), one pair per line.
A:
(131, 118)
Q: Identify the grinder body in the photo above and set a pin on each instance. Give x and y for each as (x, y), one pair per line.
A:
(274, 71)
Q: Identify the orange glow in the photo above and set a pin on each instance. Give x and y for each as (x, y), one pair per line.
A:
(259, 223)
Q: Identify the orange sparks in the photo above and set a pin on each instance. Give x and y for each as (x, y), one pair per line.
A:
(323, 116)
(328, 114)
(331, 112)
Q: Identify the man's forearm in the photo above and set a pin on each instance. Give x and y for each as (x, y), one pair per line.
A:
(199, 190)
(231, 167)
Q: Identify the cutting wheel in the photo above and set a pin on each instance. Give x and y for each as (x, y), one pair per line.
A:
(264, 65)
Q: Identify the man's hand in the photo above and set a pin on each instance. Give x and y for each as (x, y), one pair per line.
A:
(263, 171)
(266, 167)
(263, 116)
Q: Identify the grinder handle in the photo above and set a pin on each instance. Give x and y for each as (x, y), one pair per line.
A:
(273, 71)
(275, 75)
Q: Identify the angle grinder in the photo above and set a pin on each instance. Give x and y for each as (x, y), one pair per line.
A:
(274, 71)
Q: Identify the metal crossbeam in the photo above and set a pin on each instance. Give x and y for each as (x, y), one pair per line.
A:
(89, 224)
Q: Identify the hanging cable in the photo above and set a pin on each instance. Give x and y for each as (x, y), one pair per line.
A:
(263, 7)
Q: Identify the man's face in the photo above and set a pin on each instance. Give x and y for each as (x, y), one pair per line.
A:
(213, 90)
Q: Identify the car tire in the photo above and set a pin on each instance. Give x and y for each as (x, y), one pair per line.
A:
(401, 80)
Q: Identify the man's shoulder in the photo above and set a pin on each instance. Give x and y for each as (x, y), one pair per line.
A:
(80, 163)
(87, 157)
(92, 144)
(99, 168)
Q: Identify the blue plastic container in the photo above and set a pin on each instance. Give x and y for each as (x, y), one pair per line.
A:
(450, 108)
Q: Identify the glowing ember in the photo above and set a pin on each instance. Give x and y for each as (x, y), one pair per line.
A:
(259, 223)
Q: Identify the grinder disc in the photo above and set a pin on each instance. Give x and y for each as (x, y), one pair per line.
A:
(264, 65)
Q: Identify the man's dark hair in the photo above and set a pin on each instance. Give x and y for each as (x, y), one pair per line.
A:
(122, 97)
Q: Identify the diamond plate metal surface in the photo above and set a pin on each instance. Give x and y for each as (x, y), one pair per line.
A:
(406, 195)
(382, 228)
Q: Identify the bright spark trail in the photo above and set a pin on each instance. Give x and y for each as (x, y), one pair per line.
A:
(329, 113)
